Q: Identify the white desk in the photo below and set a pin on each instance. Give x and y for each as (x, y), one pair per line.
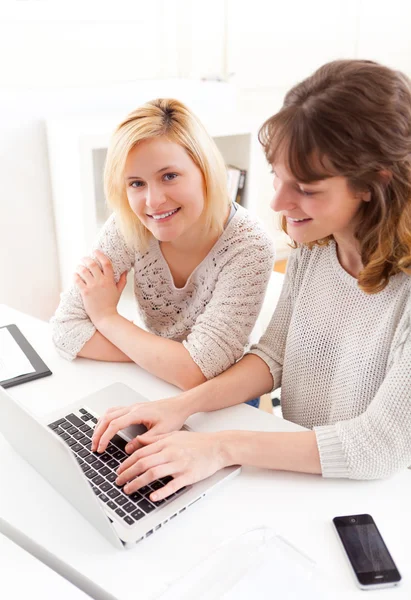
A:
(298, 507)
(23, 576)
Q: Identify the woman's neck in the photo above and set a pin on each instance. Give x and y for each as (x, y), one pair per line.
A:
(348, 252)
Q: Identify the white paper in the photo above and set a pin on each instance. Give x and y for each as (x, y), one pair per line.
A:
(257, 564)
(13, 361)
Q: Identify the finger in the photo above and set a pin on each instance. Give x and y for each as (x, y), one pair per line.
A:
(122, 282)
(85, 274)
(105, 262)
(79, 282)
(172, 486)
(149, 476)
(92, 266)
(115, 425)
(142, 466)
(144, 440)
(139, 454)
(103, 423)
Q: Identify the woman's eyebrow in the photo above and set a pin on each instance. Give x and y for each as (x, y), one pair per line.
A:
(159, 171)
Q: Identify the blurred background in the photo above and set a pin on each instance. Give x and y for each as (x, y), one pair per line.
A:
(70, 71)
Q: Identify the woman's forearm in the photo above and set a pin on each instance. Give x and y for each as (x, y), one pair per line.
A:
(162, 357)
(100, 348)
(283, 451)
(249, 378)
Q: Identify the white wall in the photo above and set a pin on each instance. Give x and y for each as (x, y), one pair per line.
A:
(70, 58)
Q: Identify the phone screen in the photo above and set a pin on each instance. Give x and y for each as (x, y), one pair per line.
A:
(366, 550)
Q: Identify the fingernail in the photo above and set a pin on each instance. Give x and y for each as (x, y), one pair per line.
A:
(154, 497)
(118, 481)
(129, 448)
(126, 489)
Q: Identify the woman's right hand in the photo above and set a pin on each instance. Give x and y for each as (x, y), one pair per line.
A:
(159, 416)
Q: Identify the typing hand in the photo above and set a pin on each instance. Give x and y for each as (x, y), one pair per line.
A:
(187, 457)
(99, 291)
(160, 416)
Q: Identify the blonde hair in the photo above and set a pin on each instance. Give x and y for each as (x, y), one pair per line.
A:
(173, 120)
(353, 118)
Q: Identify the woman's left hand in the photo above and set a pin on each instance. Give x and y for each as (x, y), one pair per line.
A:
(185, 456)
(99, 291)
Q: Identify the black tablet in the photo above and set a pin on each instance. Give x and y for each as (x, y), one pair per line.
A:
(41, 369)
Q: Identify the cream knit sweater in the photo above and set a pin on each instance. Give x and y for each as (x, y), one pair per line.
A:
(343, 360)
(212, 315)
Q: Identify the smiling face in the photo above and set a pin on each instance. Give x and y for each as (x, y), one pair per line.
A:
(316, 210)
(165, 188)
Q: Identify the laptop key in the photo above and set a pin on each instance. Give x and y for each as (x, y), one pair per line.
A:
(84, 428)
(128, 520)
(113, 493)
(97, 480)
(77, 447)
(104, 471)
(65, 425)
(91, 473)
(65, 436)
(145, 490)
(137, 514)
(120, 512)
(83, 411)
(104, 457)
(58, 431)
(71, 442)
(113, 464)
(156, 485)
(111, 449)
(72, 430)
(106, 486)
(135, 497)
(119, 442)
(89, 458)
(119, 455)
(103, 497)
(83, 453)
(121, 500)
(145, 505)
(93, 420)
(111, 505)
(78, 435)
(129, 507)
(56, 424)
(75, 420)
(96, 491)
(111, 476)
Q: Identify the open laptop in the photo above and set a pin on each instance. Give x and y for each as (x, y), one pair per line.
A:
(58, 447)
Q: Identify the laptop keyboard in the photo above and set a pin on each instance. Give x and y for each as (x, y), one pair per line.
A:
(100, 469)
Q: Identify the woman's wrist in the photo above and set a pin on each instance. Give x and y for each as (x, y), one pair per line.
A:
(227, 441)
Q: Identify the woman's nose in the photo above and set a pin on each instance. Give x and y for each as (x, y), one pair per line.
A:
(282, 200)
(154, 197)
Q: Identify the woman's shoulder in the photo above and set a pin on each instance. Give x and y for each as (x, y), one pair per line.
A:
(246, 230)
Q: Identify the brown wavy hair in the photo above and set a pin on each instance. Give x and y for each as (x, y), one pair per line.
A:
(353, 118)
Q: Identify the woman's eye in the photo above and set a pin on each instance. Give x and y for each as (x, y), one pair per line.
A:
(170, 176)
(305, 192)
(136, 184)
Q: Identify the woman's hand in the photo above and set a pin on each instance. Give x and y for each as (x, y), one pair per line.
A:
(160, 416)
(99, 291)
(186, 457)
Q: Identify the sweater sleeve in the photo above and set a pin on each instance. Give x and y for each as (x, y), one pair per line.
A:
(377, 443)
(71, 326)
(220, 334)
(271, 346)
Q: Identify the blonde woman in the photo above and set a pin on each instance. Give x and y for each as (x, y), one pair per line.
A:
(339, 342)
(200, 264)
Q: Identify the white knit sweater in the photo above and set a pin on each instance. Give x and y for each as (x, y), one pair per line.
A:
(343, 360)
(213, 314)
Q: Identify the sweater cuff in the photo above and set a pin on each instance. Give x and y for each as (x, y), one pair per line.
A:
(275, 370)
(332, 457)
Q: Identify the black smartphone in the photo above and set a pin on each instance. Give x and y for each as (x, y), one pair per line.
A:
(372, 564)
